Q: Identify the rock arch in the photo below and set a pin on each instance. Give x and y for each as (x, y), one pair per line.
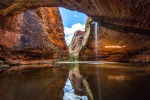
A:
(121, 13)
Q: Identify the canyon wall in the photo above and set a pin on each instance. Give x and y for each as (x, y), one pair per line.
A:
(115, 46)
(125, 24)
(33, 35)
(128, 15)
(76, 43)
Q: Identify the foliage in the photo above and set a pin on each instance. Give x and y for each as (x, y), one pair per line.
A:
(73, 57)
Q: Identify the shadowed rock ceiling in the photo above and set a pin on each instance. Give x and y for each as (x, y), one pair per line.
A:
(121, 15)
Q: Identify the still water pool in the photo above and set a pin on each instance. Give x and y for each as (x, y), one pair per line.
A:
(79, 81)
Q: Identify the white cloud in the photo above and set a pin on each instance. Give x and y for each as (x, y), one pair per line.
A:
(69, 32)
(75, 16)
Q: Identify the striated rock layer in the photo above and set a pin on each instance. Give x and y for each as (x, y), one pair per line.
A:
(76, 43)
(116, 46)
(122, 23)
(32, 35)
(128, 15)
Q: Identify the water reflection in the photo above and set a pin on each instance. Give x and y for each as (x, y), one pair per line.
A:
(118, 77)
(98, 83)
(86, 81)
(118, 81)
(69, 93)
(34, 84)
(76, 87)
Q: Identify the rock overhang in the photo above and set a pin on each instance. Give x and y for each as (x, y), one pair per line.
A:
(129, 14)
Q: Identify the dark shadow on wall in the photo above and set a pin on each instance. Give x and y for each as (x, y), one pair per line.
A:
(125, 29)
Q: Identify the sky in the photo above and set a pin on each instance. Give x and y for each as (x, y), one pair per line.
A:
(72, 21)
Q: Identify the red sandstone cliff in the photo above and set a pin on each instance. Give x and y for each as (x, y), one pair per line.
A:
(125, 13)
(76, 43)
(116, 46)
(33, 35)
(121, 21)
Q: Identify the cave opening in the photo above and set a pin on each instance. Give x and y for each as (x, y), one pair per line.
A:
(113, 61)
(73, 21)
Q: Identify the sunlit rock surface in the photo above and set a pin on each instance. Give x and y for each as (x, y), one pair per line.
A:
(76, 43)
(32, 35)
(116, 46)
(121, 22)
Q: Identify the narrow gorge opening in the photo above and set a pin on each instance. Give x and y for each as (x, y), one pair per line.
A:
(34, 55)
(73, 21)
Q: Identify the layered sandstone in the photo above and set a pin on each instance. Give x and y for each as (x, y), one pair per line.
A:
(128, 15)
(32, 35)
(76, 43)
(116, 46)
(122, 23)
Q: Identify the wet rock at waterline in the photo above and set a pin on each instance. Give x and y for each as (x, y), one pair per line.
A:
(116, 46)
(32, 35)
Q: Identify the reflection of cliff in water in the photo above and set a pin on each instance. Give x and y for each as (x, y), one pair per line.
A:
(76, 86)
(34, 84)
(118, 81)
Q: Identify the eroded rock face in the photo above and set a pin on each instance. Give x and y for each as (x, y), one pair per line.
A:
(116, 46)
(34, 34)
(126, 13)
(76, 43)
(121, 19)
